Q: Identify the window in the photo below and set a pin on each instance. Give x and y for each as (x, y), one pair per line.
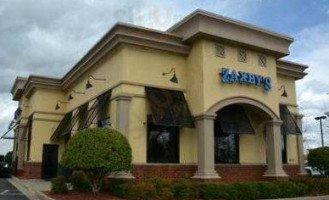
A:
(242, 55)
(284, 148)
(262, 60)
(226, 146)
(162, 144)
(220, 50)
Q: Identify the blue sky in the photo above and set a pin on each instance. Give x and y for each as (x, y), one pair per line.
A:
(48, 37)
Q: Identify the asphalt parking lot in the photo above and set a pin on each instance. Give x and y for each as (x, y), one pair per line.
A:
(9, 192)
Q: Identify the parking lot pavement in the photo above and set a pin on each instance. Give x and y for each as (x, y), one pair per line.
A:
(9, 192)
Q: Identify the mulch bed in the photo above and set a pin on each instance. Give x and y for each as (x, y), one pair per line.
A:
(81, 196)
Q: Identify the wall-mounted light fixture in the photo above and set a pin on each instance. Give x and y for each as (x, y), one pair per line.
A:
(59, 103)
(75, 92)
(89, 85)
(174, 78)
(284, 93)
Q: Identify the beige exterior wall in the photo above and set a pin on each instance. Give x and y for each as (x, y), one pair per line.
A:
(129, 68)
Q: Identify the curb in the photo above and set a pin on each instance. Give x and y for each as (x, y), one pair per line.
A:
(33, 194)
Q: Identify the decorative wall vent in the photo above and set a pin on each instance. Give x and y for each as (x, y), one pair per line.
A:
(242, 55)
(262, 60)
(220, 50)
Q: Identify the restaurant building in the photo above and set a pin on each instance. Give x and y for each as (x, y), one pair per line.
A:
(210, 98)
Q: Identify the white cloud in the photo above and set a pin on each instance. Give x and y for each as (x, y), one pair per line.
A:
(312, 47)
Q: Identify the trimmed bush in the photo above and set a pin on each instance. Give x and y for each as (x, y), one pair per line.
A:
(314, 186)
(97, 151)
(121, 190)
(290, 189)
(318, 159)
(163, 189)
(184, 188)
(142, 191)
(58, 185)
(217, 191)
(80, 182)
(268, 190)
(246, 191)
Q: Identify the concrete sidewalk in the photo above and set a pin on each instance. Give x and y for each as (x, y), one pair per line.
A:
(34, 187)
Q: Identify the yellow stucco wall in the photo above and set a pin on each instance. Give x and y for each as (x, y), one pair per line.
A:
(128, 69)
(216, 91)
(41, 133)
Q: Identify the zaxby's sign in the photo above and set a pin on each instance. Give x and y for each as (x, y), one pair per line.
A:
(233, 76)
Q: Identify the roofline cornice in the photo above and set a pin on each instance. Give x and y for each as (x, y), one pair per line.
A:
(229, 20)
(292, 69)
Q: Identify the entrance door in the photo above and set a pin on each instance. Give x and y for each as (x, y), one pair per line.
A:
(49, 161)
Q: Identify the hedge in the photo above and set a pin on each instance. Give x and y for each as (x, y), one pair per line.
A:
(187, 189)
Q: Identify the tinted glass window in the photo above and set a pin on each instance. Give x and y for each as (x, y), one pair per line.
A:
(162, 144)
(284, 148)
(226, 146)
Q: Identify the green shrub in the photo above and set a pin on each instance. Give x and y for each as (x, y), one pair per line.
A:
(268, 190)
(163, 188)
(290, 189)
(217, 191)
(122, 189)
(246, 190)
(318, 159)
(184, 188)
(142, 191)
(314, 186)
(97, 151)
(80, 182)
(58, 185)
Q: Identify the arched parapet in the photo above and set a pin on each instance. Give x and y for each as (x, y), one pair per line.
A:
(243, 101)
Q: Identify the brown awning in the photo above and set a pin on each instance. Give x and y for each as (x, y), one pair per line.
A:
(289, 125)
(95, 109)
(64, 127)
(169, 107)
(233, 120)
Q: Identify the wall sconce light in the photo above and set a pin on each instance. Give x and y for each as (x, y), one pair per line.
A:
(75, 92)
(284, 94)
(174, 78)
(89, 85)
(58, 104)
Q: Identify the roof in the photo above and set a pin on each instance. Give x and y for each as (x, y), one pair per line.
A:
(177, 39)
(292, 69)
(205, 24)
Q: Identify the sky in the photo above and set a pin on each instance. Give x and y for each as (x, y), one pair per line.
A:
(47, 37)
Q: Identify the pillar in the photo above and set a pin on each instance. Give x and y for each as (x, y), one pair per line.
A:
(206, 150)
(122, 125)
(122, 114)
(20, 146)
(274, 154)
(300, 147)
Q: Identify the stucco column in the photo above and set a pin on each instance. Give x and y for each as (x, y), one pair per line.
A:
(206, 150)
(122, 125)
(20, 146)
(274, 154)
(300, 146)
(122, 114)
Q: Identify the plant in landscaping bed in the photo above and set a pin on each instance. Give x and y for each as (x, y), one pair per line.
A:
(183, 188)
(314, 186)
(97, 151)
(79, 181)
(318, 159)
(58, 185)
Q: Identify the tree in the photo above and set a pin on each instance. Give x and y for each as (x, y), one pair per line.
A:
(318, 159)
(9, 157)
(97, 151)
